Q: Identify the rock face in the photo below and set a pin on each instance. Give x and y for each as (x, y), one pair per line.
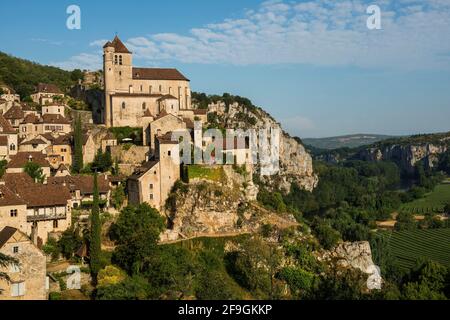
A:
(216, 208)
(406, 156)
(356, 255)
(295, 162)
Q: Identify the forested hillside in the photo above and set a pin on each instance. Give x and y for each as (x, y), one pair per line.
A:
(23, 75)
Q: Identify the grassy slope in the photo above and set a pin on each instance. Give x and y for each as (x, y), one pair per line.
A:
(349, 141)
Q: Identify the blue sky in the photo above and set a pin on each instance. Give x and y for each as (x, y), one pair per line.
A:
(315, 66)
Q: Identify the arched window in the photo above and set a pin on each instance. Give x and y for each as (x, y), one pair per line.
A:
(12, 147)
(115, 59)
(123, 105)
(144, 106)
(120, 60)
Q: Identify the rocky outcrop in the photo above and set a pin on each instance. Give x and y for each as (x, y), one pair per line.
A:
(295, 162)
(217, 208)
(356, 255)
(406, 156)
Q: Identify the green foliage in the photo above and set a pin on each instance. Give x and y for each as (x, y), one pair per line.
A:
(69, 243)
(110, 275)
(272, 200)
(132, 288)
(405, 221)
(23, 75)
(52, 248)
(35, 171)
(78, 141)
(136, 233)
(428, 203)
(95, 237)
(327, 236)
(118, 197)
(102, 162)
(121, 133)
(6, 261)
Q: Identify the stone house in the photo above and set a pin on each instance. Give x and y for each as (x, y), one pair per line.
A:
(45, 93)
(18, 162)
(55, 123)
(9, 94)
(13, 209)
(82, 188)
(45, 215)
(130, 91)
(29, 277)
(15, 115)
(54, 108)
(58, 150)
(153, 181)
(8, 140)
(160, 126)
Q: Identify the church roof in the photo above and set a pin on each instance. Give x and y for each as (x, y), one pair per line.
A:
(118, 45)
(5, 126)
(158, 74)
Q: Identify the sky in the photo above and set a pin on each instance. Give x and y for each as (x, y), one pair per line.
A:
(313, 65)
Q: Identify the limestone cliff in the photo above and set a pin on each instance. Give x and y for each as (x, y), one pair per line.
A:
(406, 156)
(217, 208)
(295, 162)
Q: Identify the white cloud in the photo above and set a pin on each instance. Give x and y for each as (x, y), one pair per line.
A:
(415, 35)
(82, 61)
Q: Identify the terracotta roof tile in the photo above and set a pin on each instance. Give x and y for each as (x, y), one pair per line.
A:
(83, 183)
(9, 198)
(139, 172)
(22, 158)
(118, 45)
(48, 88)
(158, 74)
(54, 119)
(5, 126)
(14, 113)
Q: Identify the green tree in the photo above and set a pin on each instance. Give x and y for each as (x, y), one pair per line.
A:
(405, 221)
(118, 197)
(136, 233)
(95, 241)
(78, 146)
(133, 288)
(35, 171)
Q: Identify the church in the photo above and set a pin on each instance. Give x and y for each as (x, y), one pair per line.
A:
(134, 94)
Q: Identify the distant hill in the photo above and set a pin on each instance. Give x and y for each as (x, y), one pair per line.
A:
(349, 141)
(23, 75)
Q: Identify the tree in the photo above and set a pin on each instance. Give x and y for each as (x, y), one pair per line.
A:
(136, 233)
(405, 221)
(35, 171)
(6, 261)
(102, 161)
(118, 197)
(76, 75)
(78, 141)
(95, 243)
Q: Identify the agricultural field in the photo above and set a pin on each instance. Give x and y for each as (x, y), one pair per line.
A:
(409, 246)
(434, 202)
(215, 174)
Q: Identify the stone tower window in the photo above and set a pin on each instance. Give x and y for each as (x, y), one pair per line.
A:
(120, 60)
(123, 105)
(160, 88)
(115, 59)
(144, 106)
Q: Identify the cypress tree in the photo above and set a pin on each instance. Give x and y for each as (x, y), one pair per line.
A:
(78, 154)
(95, 244)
